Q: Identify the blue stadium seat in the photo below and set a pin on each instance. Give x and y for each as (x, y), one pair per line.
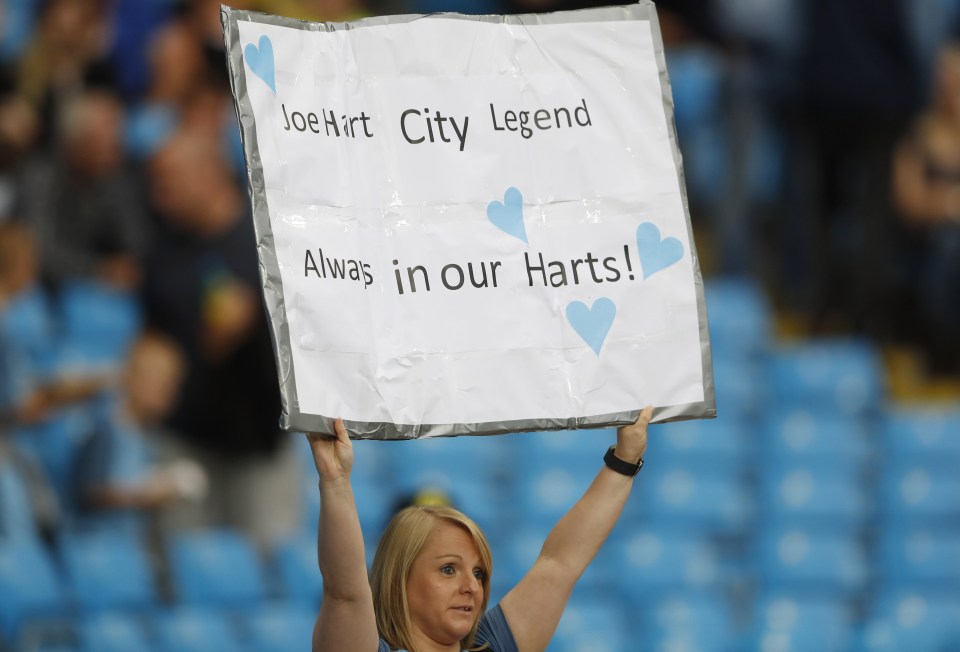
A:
(812, 496)
(107, 572)
(299, 575)
(53, 445)
(30, 585)
(807, 432)
(920, 557)
(99, 324)
(699, 496)
(740, 318)
(113, 632)
(811, 562)
(594, 625)
(783, 621)
(912, 620)
(741, 389)
(722, 442)
(547, 493)
(569, 448)
(374, 502)
(922, 433)
(16, 511)
(216, 568)
(17, 27)
(516, 553)
(442, 462)
(687, 622)
(696, 78)
(650, 562)
(280, 628)
(921, 493)
(196, 629)
(842, 376)
(27, 325)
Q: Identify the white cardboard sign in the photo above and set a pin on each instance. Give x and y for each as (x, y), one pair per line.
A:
(471, 225)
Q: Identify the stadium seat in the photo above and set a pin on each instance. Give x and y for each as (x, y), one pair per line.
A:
(700, 496)
(107, 572)
(687, 622)
(442, 462)
(920, 493)
(113, 632)
(806, 432)
(741, 389)
(515, 555)
(30, 585)
(296, 563)
(783, 621)
(740, 319)
(721, 442)
(920, 557)
(547, 493)
(16, 511)
(196, 629)
(590, 626)
(809, 495)
(811, 562)
(216, 568)
(27, 325)
(840, 376)
(912, 620)
(99, 325)
(53, 445)
(280, 628)
(651, 562)
(921, 433)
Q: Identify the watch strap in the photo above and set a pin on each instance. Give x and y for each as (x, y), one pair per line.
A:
(614, 463)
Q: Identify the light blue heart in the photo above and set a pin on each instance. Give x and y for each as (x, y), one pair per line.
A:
(260, 61)
(656, 254)
(592, 324)
(508, 216)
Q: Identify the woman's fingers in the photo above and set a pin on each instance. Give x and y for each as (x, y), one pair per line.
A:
(341, 431)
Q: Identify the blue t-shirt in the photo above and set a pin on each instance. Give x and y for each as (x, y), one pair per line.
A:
(116, 454)
(493, 630)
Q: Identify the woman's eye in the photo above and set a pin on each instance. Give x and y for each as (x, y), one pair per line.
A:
(479, 574)
(447, 570)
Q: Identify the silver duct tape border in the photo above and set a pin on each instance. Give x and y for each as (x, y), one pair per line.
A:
(291, 417)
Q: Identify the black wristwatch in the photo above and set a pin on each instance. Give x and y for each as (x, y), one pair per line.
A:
(618, 465)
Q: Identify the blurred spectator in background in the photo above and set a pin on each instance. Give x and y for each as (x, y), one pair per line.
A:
(176, 72)
(858, 88)
(119, 477)
(83, 200)
(65, 55)
(926, 192)
(19, 128)
(31, 387)
(202, 288)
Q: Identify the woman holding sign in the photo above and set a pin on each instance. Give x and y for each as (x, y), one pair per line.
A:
(431, 574)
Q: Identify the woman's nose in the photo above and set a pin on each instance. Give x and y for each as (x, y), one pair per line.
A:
(471, 585)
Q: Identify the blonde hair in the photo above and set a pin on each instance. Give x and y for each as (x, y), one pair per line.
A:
(402, 541)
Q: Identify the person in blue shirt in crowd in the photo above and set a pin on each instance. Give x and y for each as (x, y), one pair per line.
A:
(430, 580)
(119, 475)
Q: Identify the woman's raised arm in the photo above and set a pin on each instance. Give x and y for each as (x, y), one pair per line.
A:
(346, 622)
(533, 608)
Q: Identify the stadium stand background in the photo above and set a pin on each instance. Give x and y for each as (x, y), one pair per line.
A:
(820, 511)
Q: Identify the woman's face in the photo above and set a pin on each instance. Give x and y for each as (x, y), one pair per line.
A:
(445, 586)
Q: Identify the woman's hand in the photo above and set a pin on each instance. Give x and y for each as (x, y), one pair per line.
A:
(632, 439)
(333, 457)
